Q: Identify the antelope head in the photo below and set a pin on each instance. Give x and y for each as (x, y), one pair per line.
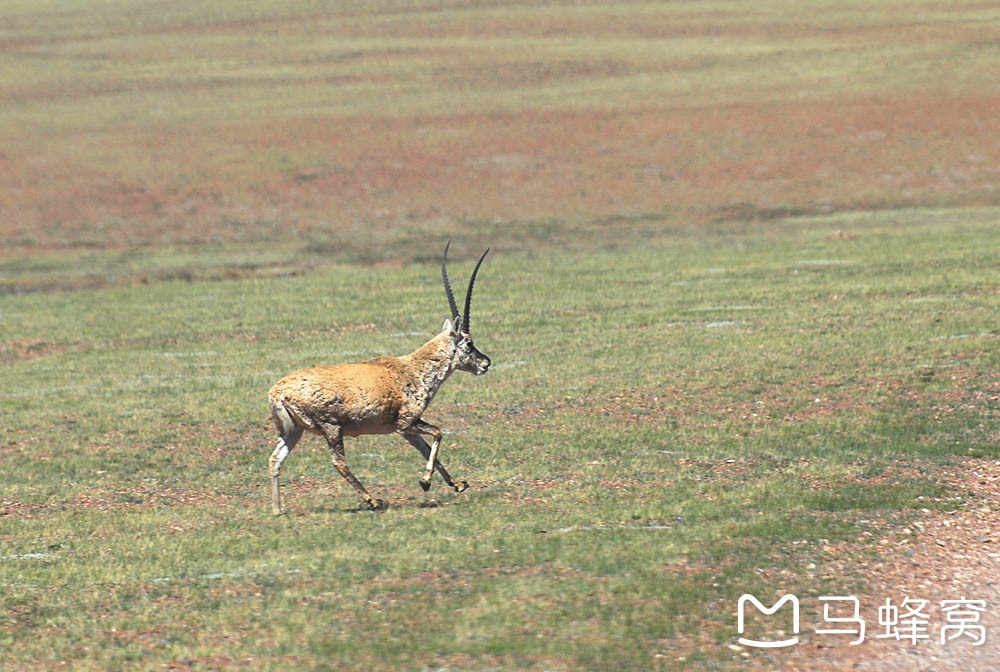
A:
(467, 357)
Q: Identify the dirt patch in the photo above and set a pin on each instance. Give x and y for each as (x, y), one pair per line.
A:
(941, 556)
(28, 348)
(114, 499)
(374, 175)
(105, 499)
(32, 348)
(15, 508)
(747, 408)
(220, 273)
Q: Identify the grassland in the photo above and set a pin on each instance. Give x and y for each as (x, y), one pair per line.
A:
(741, 307)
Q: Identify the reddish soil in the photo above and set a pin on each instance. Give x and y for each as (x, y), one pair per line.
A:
(944, 555)
(732, 161)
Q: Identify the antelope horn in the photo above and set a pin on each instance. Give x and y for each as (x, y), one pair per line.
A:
(468, 294)
(447, 285)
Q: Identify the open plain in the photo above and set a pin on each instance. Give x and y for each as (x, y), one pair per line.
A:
(742, 308)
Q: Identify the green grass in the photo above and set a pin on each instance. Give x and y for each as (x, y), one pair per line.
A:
(741, 307)
(664, 419)
(129, 123)
(336, 59)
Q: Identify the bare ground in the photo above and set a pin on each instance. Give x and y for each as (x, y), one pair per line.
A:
(945, 555)
(354, 174)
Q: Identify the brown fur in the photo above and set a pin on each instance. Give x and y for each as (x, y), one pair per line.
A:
(380, 396)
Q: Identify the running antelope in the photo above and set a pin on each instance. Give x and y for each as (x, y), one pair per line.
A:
(380, 396)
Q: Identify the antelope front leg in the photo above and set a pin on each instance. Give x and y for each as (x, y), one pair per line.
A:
(418, 442)
(421, 427)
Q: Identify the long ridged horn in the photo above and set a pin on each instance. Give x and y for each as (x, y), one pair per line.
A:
(447, 285)
(468, 294)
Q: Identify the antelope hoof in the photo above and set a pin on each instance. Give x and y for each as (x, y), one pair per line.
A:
(376, 504)
(277, 512)
(425, 483)
(463, 487)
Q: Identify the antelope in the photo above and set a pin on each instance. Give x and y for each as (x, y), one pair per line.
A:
(384, 395)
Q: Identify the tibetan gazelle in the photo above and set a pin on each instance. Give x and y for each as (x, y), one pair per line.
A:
(380, 396)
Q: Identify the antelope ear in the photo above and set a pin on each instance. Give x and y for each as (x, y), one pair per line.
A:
(447, 328)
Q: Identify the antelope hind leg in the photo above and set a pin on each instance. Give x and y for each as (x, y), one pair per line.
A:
(285, 445)
(335, 438)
